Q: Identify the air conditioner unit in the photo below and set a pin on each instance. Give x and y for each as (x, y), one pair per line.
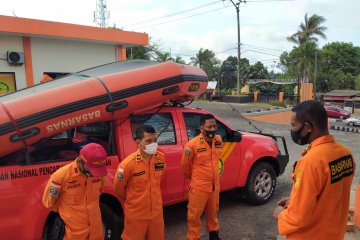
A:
(15, 58)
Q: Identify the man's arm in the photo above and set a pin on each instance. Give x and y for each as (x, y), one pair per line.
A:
(52, 191)
(122, 177)
(303, 200)
(186, 160)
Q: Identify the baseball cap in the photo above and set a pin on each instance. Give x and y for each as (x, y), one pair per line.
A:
(94, 155)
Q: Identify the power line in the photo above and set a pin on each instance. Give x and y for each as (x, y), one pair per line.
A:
(178, 19)
(263, 48)
(250, 50)
(270, 1)
(173, 14)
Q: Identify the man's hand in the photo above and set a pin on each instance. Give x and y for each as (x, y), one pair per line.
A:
(284, 202)
(277, 211)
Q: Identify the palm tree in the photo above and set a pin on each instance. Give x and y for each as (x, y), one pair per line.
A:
(163, 56)
(179, 59)
(204, 58)
(309, 30)
(306, 38)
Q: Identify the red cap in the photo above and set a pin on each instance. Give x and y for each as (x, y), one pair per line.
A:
(94, 155)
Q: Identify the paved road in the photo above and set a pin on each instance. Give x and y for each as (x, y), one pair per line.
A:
(240, 221)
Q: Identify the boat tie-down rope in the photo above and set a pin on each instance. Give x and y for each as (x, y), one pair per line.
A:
(16, 126)
(102, 83)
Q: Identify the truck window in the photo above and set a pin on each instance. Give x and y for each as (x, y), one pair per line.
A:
(192, 122)
(63, 146)
(162, 122)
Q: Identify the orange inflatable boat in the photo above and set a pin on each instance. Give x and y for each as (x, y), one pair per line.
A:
(97, 94)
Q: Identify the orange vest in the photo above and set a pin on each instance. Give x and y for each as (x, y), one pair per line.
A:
(76, 198)
(200, 162)
(137, 182)
(319, 200)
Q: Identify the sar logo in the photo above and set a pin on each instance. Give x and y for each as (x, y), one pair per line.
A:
(221, 166)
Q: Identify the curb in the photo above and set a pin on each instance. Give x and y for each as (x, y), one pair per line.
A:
(345, 129)
(264, 111)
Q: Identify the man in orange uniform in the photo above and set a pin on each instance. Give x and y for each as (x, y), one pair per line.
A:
(137, 183)
(74, 190)
(319, 201)
(200, 163)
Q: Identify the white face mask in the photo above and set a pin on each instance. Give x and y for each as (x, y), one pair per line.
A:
(151, 148)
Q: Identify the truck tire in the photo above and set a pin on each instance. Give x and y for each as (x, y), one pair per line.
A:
(261, 183)
(112, 225)
(55, 228)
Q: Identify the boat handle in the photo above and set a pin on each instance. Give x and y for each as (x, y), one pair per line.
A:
(116, 106)
(170, 90)
(24, 135)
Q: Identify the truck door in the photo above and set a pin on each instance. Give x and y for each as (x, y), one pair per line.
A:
(231, 149)
(24, 175)
(167, 128)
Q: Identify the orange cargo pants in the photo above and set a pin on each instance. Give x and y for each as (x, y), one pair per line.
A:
(198, 201)
(152, 229)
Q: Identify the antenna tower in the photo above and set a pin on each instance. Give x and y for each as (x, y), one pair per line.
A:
(101, 15)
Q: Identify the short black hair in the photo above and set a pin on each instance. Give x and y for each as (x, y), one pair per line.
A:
(205, 117)
(313, 112)
(144, 128)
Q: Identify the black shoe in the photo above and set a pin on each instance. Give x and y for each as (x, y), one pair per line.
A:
(214, 235)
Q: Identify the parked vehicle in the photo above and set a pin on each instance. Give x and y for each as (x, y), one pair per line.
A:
(109, 116)
(251, 163)
(352, 121)
(337, 112)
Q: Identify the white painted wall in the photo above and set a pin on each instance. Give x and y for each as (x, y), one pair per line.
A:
(54, 55)
(15, 44)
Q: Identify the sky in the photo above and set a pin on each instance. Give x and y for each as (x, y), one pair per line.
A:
(183, 27)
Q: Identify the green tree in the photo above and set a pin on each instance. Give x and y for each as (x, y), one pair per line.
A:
(139, 52)
(179, 59)
(206, 60)
(163, 56)
(309, 30)
(228, 73)
(259, 71)
(306, 39)
(343, 56)
(357, 82)
(144, 52)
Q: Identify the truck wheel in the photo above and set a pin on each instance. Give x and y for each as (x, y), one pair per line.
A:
(112, 225)
(261, 183)
(55, 228)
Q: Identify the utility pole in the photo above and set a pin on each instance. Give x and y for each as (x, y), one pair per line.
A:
(314, 83)
(237, 7)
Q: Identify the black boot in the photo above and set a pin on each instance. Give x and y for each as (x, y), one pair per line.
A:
(214, 235)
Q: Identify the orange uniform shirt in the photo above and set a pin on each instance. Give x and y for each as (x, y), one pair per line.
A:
(200, 162)
(137, 182)
(76, 198)
(319, 200)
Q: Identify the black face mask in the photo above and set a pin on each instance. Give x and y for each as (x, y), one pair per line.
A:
(209, 134)
(298, 139)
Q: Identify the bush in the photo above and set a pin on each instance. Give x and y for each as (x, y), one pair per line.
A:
(277, 103)
(226, 91)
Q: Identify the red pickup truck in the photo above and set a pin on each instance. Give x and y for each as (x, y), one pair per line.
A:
(250, 162)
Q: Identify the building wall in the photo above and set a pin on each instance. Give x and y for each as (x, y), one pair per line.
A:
(14, 44)
(54, 55)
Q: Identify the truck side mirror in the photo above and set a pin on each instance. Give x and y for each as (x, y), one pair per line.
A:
(236, 136)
